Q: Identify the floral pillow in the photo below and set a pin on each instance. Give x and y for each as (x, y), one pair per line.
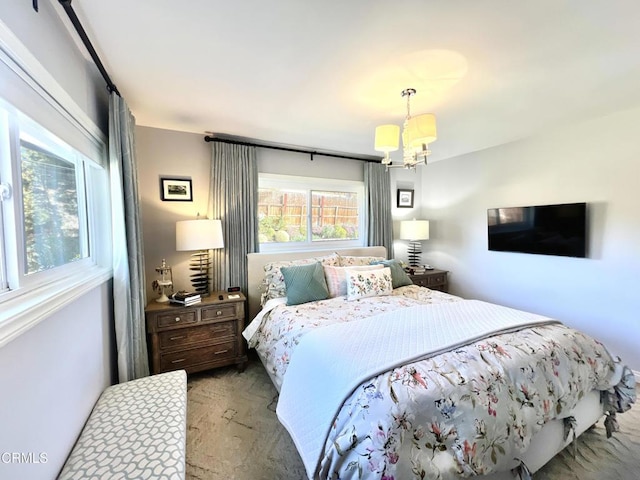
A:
(399, 277)
(273, 285)
(351, 260)
(336, 278)
(368, 283)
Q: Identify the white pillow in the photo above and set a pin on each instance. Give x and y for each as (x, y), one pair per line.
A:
(336, 277)
(368, 283)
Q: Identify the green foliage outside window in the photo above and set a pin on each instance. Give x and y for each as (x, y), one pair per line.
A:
(50, 203)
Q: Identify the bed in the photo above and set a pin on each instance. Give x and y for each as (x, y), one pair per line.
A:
(388, 380)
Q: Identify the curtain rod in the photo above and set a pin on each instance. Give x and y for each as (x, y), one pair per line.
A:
(221, 138)
(66, 4)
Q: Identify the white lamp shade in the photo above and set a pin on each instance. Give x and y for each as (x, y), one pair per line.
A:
(421, 130)
(199, 234)
(414, 229)
(387, 138)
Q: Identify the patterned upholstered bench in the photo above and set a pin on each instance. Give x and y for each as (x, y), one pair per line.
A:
(136, 430)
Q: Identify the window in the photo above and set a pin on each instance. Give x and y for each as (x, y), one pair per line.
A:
(55, 218)
(52, 197)
(44, 224)
(53, 228)
(302, 212)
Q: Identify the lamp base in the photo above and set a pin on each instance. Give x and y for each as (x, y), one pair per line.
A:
(200, 264)
(413, 251)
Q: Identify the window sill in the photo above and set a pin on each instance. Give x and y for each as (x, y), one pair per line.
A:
(20, 312)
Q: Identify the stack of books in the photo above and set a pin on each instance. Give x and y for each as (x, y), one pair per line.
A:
(185, 298)
(418, 270)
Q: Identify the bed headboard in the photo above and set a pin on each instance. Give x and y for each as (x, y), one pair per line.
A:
(257, 261)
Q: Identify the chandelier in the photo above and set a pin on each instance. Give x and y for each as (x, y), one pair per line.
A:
(417, 133)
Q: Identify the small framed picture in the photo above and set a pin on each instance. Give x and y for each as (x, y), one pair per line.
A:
(175, 190)
(405, 198)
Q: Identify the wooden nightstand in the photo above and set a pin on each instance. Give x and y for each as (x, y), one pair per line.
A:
(198, 337)
(433, 279)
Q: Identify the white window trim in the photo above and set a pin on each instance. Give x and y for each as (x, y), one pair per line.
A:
(25, 307)
(18, 57)
(316, 183)
(23, 310)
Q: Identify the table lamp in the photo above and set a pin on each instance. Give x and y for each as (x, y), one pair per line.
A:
(203, 235)
(415, 231)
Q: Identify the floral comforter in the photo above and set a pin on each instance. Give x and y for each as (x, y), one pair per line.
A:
(469, 411)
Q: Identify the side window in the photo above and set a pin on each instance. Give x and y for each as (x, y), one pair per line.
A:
(301, 212)
(53, 231)
(45, 214)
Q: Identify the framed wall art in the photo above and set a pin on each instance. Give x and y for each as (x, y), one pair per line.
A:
(405, 198)
(175, 190)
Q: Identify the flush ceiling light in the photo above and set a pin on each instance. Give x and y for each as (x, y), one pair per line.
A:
(417, 133)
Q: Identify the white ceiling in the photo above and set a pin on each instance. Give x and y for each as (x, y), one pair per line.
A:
(323, 74)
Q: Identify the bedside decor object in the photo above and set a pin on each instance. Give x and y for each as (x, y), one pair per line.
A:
(203, 235)
(415, 231)
(165, 281)
(175, 190)
(405, 198)
(417, 133)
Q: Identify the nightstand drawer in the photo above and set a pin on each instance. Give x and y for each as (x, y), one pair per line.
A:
(219, 312)
(177, 318)
(194, 335)
(420, 281)
(195, 356)
(433, 279)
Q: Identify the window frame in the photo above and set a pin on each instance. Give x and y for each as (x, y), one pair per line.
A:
(50, 144)
(309, 184)
(27, 299)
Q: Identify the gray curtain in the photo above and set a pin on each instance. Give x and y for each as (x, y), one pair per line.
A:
(234, 200)
(377, 186)
(128, 262)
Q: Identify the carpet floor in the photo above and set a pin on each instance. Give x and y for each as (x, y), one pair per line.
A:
(233, 433)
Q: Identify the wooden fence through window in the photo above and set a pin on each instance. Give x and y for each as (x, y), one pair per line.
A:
(325, 209)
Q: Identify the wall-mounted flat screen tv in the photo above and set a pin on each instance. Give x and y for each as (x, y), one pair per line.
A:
(545, 229)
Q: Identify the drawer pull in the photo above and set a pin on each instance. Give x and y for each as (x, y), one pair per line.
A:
(221, 352)
(177, 319)
(219, 312)
(178, 337)
(180, 360)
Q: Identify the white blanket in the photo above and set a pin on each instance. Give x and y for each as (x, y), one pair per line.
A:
(329, 363)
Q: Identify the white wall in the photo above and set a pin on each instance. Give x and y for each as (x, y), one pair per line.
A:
(167, 153)
(595, 162)
(51, 377)
(406, 180)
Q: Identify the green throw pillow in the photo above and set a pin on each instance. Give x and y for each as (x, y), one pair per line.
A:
(399, 277)
(305, 283)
